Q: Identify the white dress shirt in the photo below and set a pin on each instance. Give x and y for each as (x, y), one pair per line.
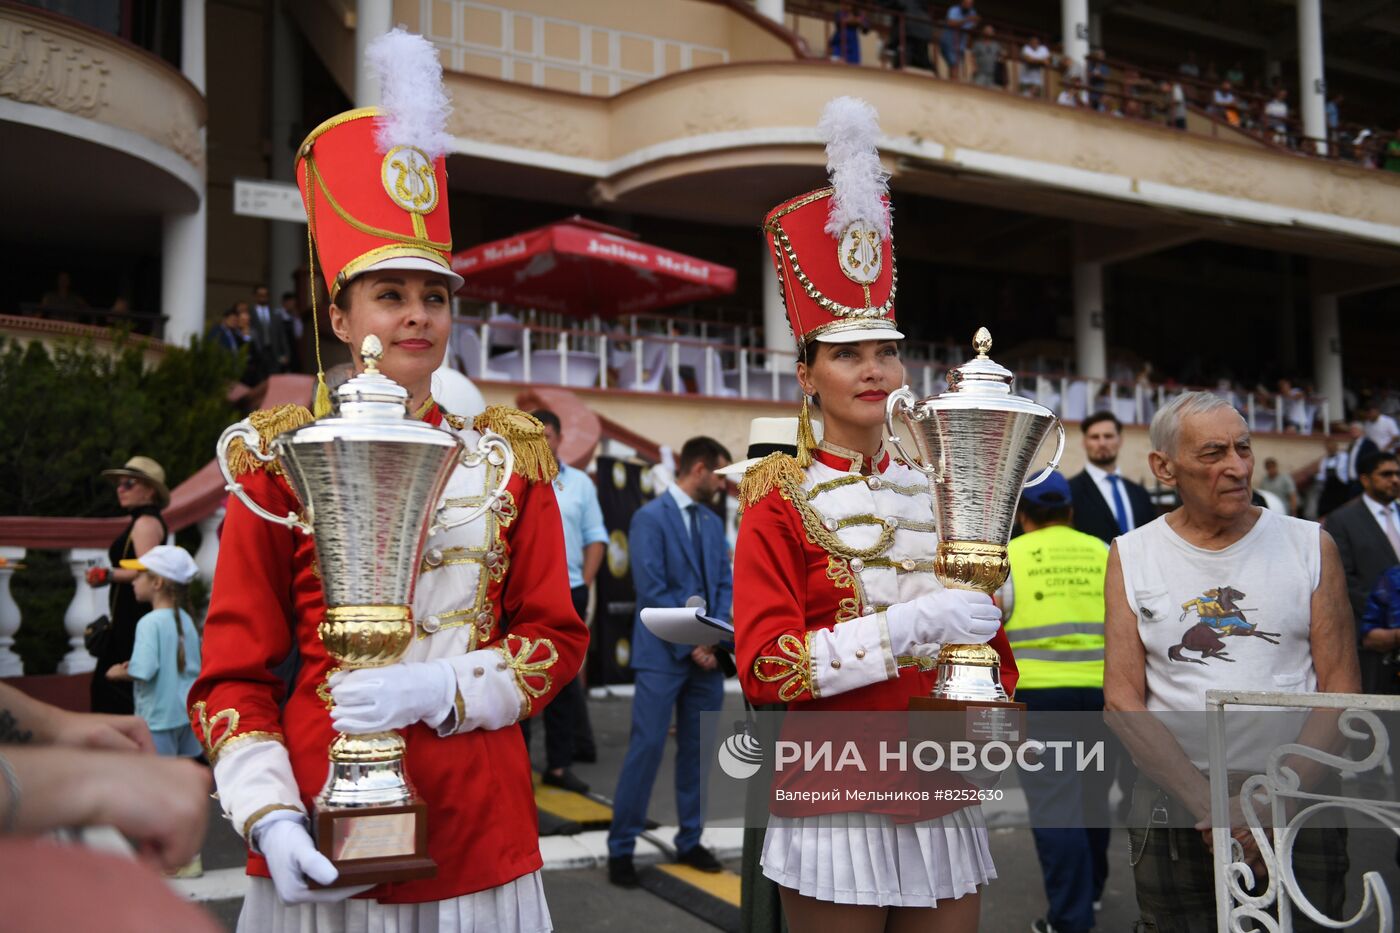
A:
(1100, 478)
(1388, 517)
(1383, 431)
(683, 502)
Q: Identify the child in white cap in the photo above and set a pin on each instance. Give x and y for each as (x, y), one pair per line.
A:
(165, 659)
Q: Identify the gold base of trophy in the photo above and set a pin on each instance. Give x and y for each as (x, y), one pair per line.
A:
(968, 676)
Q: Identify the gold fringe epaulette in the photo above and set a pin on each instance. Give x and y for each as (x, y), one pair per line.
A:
(772, 472)
(533, 459)
(269, 423)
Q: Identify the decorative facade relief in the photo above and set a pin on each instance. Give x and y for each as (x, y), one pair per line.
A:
(40, 67)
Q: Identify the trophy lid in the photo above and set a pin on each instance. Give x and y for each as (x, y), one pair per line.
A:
(983, 375)
(371, 395)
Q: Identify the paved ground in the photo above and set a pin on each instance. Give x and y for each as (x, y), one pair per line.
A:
(581, 899)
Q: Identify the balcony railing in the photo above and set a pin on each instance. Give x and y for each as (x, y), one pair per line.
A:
(633, 358)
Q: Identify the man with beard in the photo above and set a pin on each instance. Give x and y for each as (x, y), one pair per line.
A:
(1106, 505)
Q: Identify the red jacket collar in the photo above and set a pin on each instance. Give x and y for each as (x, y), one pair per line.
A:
(850, 461)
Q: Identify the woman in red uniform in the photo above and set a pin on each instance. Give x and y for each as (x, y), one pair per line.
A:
(497, 633)
(836, 605)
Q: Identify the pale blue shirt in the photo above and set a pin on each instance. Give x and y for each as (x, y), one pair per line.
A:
(683, 502)
(581, 515)
(160, 688)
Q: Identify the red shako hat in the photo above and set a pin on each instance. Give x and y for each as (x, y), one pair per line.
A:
(832, 247)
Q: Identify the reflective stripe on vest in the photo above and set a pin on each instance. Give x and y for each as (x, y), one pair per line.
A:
(1056, 624)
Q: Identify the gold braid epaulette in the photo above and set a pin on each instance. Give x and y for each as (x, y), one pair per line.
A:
(533, 459)
(773, 471)
(269, 423)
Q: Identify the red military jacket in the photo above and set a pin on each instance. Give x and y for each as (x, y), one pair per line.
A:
(822, 553)
(499, 582)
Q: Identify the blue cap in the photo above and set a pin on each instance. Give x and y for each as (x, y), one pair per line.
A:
(1051, 491)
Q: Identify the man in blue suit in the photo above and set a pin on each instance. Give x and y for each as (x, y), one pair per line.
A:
(679, 551)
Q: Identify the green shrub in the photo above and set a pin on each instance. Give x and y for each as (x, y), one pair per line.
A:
(67, 415)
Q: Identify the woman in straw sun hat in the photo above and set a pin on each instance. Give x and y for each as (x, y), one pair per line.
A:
(142, 493)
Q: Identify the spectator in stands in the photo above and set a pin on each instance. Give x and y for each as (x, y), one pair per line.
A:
(567, 731)
(1276, 117)
(1235, 73)
(961, 20)
(918, 32)
(1224, 105)
(1098, 75)
(987, 57)
(1334, 122)
(1280, 484)
(1381, 429)
(1296, 417)
(1392, 154)
(1189, 68)
(63, 298)
(844, 45)
(1332, 477)
(226, 333)
(1069, 81)
(1035, 55)
(1109, 104)
(1367, 532)
(1172, 104)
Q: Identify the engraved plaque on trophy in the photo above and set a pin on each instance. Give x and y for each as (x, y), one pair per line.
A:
(368, 481)
(976, 443)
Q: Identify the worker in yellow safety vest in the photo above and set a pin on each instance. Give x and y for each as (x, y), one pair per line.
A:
(1053, 608)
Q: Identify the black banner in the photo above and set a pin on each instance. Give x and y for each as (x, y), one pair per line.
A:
(623, 488)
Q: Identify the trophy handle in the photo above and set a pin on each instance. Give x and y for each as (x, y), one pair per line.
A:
(492, 449)
(1054, 461)
(900, 400)
(252, 441)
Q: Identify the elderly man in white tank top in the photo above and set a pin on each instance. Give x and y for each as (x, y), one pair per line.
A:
(1217, 594)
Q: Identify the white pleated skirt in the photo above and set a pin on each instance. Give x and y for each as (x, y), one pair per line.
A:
(515, 907)
(868, 859)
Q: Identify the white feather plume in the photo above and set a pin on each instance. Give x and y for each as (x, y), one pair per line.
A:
(850, 127)
(412, 98)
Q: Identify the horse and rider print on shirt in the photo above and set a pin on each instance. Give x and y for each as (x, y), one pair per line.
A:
(1220, 617)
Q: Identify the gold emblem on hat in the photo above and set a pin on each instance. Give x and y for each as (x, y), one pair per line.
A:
(410, 179)
(859, 253)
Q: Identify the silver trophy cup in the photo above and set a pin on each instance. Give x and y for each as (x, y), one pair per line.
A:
(368, 481)
(976, 442)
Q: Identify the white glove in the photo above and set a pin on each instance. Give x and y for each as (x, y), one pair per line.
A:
(292, 858)
(948, 617)
(380, 698)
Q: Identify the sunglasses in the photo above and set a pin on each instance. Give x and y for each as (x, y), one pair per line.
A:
(126, 482)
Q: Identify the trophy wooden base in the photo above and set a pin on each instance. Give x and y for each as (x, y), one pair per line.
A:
(982, 720)
(374, 845)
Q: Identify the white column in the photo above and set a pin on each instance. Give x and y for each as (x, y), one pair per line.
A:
(1074, 29)
(207, 557)
(10, 663)
(373, 18)
(1327, 353)
(777, 335)
(286, 243)
(184, 237)
(87, 605)
(1090, 342)
(1312, 85)
(773, 9)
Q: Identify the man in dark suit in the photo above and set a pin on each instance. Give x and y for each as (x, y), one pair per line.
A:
(270, 333)
(1367, 532)
(1106, 505)
(1360, 448)
(679, 551)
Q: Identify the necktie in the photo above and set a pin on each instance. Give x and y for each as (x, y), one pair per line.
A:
(1120, 505)
(1390, 529)
(693, 511)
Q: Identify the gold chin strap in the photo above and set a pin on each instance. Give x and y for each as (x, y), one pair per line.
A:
(322, 406)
